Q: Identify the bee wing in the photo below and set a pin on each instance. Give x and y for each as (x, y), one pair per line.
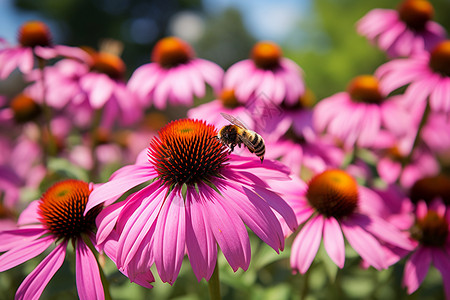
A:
(247, 142)
(233, 120)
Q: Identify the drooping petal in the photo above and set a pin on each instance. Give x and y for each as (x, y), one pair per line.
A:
(170, 237)
(334, 241)
(200, 242)
(106, 220)
(365, 244)
(24, 252)
(135, 175)
(33, 286)
(89, 284)
(441, 261)
(255, 212)
(141, 211)
(416, 268)
(383, 230)
(228, 230)
(18, 237)
(306, 244)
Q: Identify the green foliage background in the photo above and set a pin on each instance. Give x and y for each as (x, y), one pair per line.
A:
(330, 52)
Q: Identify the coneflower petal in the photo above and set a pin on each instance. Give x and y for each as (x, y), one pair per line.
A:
(33, 286)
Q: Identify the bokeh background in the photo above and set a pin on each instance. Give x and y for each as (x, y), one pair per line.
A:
(319, 35)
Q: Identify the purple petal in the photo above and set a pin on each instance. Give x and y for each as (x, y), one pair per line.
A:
(106, 220)
(228, 229)
(416, 268)
(170, 237)
(89, 284)
(441, 261)
(17, 237)
(365, 244)
(200, 242)
(255, 212)
(384, 231)
(334, 241)
(136, 219)
(22, 253)
(33, 286)
(306, 244)
(29, 215)
(135, 175)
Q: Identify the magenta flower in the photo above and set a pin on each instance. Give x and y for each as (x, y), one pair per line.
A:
(357, 116)
(267, 74)
(405, 31)
(175, 76)
(34, 39)
(426, 74)
(199, 196)
(56, 218)
(431, 231)
(332, 206)
(226, 103)
(19, 168)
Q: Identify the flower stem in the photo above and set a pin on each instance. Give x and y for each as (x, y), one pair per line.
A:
(214, 285)
(94, 143)
(422, 123)
(49, 147)
(305, 289)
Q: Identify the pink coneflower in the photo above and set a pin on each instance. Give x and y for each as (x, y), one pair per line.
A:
(175, 75)
(226, 103)
(428, 76)
(357, 115)
(34, 39)
(431, 231)
(267, 73)
(302, 148)
(405, 31)
(199, 196)
(332, 206)
(56, 218)
(429, 188)
(19, 167)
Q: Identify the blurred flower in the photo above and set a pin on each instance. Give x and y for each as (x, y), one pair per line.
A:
(429, 188)
(266, 77)
(302, 148)
(357, 115)
(199, 196)
(20, 168)
(34, 39)
(226, 103)
(428, 76)
(56, 218)
(431, 231)
(174, 76)
(330, 206)
(405, 31)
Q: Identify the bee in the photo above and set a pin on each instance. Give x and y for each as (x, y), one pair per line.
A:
(237, 134)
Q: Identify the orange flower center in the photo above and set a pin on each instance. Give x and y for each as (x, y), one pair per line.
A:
(171, 51)
(365, 89)
(333, 193)
(440, 58)
(266, 55)
(432, 230)
(109, 64)
(229, 99)
(34, 33)
(416, 13)
(24, 108)
(62, 206)
(187, 152)
(430, 188)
